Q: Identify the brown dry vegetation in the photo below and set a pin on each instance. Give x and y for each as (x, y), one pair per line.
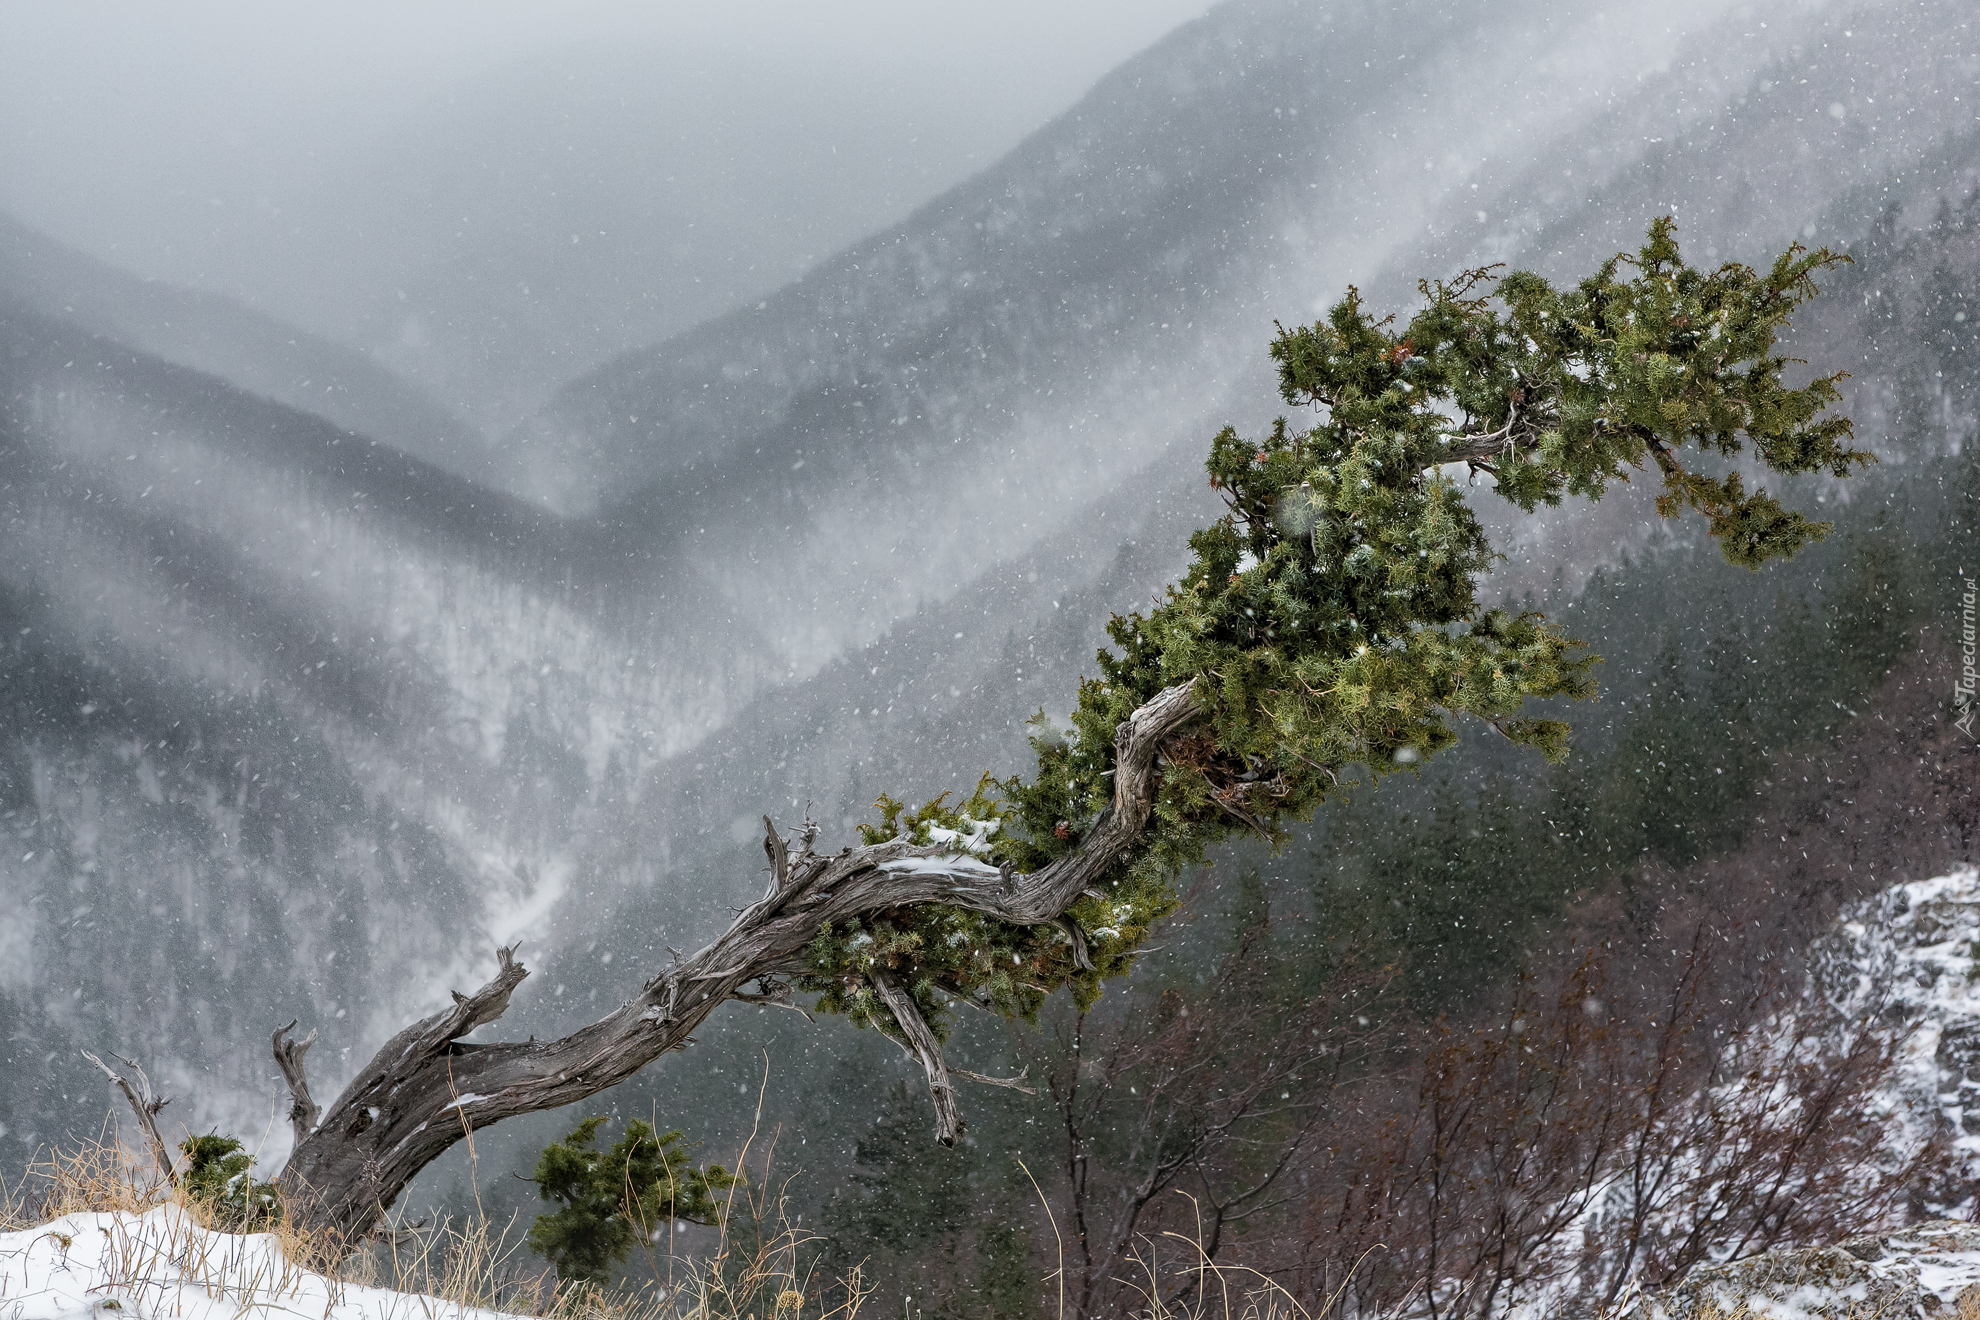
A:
(761, 1265)
(1644, 1067)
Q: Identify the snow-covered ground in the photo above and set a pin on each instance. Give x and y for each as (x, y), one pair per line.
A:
(163, 1264)
(1904, 965)
(1905, 961)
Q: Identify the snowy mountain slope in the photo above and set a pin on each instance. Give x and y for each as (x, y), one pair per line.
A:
(1905, 960)
(1801, 124)
(292, 719)
(529, 225)
(919, 480)
(1103, 294)
(1083, 294)
(212, 334)
(1899, 965)
(493, 216)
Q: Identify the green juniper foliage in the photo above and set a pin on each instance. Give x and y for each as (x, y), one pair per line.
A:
(217, 1176)
(612, 1199)
(1332, 619)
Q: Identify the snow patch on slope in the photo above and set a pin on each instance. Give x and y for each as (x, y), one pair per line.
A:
(162, 1263)
(1900, 965)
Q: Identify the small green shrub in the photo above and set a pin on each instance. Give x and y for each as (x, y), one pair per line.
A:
(218, 1178)
(611, 1199)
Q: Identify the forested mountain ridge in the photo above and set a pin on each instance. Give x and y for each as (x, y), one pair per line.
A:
(279, 698)
(254, 352)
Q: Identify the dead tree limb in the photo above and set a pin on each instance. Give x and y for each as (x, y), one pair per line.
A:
(289, 1058)
(1008, 1083)
(145, 1105)
(779, 855)
(918, 1039)
(418, 1094)
(1077, 938)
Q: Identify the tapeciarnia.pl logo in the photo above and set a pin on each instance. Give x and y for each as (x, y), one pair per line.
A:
(1963, 685)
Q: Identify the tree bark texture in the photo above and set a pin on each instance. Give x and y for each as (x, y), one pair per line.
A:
(427, 1088)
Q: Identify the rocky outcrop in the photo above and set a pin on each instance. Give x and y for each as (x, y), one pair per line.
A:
(1930, 1271)
(1908, 961)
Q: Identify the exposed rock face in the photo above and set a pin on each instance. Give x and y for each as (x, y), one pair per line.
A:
(1930, 1271)
(1900, 964)
(1905, 959)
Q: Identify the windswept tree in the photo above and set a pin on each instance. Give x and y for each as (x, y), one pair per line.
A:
(1329, 626)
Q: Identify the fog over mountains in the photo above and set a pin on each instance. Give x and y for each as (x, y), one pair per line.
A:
(325, 674)
(521, 228)
(493, 201)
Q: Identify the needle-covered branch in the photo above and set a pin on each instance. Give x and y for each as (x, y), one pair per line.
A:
(1329, 626)
(1559, 392)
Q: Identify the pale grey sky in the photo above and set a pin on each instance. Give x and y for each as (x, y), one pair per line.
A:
(109, 107)
(414, 179)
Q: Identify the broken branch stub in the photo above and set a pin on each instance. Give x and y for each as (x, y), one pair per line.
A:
(289, 1058)
(780, 859)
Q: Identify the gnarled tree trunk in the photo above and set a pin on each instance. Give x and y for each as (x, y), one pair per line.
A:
(427, 1087)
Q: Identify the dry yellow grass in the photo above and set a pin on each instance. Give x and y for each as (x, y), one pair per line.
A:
(1177, 1280)
(1204, 1290)
(760, 1267)
(94, 1174)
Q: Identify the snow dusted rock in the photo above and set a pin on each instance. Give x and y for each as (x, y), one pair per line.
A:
(1929, 1271)
(1905, 960)
(163, 1264)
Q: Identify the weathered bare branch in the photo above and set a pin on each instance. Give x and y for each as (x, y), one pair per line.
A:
(289, 1058)
(918, 1039)
(807, 836)
(405, 1107)
(1008, 1083)
(145, 1105)
(1479, 448)
(771, 993)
